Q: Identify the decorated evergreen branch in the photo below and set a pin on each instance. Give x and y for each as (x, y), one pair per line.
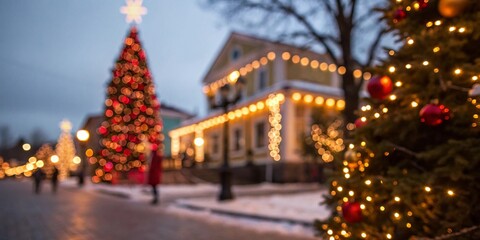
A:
(417, 147)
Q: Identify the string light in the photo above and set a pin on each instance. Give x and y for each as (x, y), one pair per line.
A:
(450, 193)
(286, 56)
(275, 118)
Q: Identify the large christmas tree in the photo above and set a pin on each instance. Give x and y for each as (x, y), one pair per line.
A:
(132, 125)
(412, 171)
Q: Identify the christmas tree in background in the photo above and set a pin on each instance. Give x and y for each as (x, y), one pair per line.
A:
(412, 172)
(65, 150)
(132, 123)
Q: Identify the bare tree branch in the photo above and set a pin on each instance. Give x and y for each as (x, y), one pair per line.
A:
(374, 46)
(352, 10)
(451, 235)
(329, 7)
(309, 26)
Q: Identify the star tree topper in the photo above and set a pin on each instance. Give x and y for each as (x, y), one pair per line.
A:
(134, 11)
(65, 125)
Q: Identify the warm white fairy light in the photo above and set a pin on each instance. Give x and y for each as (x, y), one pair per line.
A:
(275, 118)
(328, 141)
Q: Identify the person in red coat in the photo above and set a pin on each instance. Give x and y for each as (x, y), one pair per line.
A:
(155, 174)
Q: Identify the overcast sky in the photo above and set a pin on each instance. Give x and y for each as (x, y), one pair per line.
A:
(56, 56)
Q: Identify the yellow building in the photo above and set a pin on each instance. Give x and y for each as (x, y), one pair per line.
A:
(282, 85)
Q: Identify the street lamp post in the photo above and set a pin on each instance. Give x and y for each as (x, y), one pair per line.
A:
(82, 136)
(225, 171)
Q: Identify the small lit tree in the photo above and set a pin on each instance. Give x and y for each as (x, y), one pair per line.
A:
(65, 150)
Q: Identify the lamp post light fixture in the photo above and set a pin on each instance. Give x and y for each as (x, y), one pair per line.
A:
(82, 136)
(225, 101)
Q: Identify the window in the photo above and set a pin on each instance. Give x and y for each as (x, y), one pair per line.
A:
(215, 146)
(237, 139)
(236, 53)
(262, 79)
(260, 136)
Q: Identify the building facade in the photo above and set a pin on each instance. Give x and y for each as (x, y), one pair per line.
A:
(282, 86)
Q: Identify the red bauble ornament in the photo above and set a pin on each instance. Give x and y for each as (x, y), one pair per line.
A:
(141, 54)
(380, 87)
(102, 130)
(399, 15)
(108, 167)
(434, 115)
(135, 62)
(352, 212)
(422, 4)
(359, 123)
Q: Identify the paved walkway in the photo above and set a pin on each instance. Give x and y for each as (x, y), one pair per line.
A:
(74, 214)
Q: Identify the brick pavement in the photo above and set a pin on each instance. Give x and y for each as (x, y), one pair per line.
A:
(74, 214)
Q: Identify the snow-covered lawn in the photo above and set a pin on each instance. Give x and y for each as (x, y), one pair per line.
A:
(300, 208)
(284, 228)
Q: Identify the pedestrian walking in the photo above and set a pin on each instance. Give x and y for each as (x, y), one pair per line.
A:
(38, 176)
(155, 175)
(55, 179)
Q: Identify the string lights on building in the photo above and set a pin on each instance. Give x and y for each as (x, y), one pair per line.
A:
(275, 120)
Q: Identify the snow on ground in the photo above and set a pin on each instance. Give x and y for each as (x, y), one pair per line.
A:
(300, 208)
(284, 228)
